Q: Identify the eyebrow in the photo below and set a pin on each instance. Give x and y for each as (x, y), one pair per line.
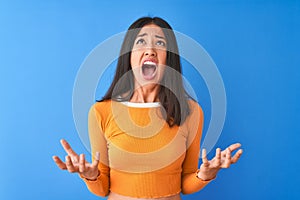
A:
(157, 36)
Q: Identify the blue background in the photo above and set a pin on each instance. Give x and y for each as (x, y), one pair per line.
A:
(255, 45)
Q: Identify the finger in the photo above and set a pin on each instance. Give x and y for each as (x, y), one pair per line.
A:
(217, 159)
(227, 159)
(70, 165)
(237, 156)
(234, 146)
(68, 148)
(204, 158)
(59, 162)
(81, 163)
(96, 160)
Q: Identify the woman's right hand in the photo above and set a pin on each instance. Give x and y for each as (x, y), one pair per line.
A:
(75, 163)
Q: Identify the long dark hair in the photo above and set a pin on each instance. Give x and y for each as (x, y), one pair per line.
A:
(172, 95)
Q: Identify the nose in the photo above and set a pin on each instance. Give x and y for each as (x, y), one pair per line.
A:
(150, 51)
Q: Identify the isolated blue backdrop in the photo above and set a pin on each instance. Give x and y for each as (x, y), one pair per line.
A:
(254, 44)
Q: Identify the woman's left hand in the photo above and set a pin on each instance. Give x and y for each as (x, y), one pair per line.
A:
(223, 159)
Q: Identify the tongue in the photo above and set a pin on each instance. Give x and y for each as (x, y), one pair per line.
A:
(148, 70)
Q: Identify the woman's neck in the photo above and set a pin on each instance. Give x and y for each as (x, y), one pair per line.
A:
(145, 94)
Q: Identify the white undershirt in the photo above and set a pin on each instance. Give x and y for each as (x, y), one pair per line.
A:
(142, 105)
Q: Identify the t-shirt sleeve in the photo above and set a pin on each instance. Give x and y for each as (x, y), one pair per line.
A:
(100, 186)
(190, 182)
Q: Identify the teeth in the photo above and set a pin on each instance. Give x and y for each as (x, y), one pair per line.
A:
(149, 63)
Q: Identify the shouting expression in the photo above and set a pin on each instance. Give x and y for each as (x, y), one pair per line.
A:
(149, 54)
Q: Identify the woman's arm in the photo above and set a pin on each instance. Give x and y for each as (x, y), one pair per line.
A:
(100, 184)
(190, 182)
(194, 179)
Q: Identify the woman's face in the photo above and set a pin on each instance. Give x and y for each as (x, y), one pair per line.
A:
(149, 54)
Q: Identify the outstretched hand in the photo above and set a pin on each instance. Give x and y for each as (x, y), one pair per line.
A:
(75, 163)
(223, 159)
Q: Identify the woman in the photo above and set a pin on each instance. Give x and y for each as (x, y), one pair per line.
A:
(145, 133)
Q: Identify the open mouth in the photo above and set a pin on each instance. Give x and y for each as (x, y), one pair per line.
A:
(149, 70)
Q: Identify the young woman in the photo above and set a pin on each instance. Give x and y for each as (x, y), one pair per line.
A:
(145, 133)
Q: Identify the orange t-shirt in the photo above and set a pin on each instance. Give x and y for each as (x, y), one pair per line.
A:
(140, 155)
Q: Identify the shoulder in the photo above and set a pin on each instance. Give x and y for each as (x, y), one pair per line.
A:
(196, 113)
(102, 105)
(194, 106)
(101, 108)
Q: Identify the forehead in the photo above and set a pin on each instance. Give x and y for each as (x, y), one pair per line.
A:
(151, 29)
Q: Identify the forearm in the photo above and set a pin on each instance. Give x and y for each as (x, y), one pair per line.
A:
(99, 186)
(191, 183)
